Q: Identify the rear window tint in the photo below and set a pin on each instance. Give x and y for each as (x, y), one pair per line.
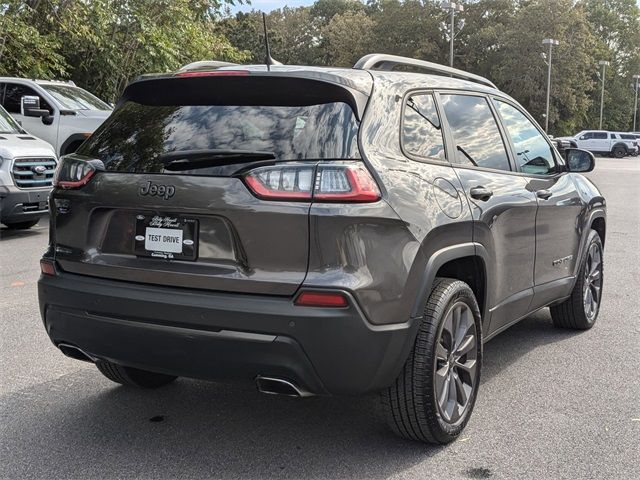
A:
(133, 138)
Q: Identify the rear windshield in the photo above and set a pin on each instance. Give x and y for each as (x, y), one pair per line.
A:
(136, 135)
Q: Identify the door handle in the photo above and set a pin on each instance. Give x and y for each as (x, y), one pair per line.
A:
(481, 193)
(544, 194)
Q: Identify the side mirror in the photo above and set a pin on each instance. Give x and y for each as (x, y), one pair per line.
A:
(579, 161)
(30, 107)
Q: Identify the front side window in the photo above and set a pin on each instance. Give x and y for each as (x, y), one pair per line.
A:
(475, 132)
(74, 98)
(587, 136)
(421, 129)
(13, 96)
(533, 153)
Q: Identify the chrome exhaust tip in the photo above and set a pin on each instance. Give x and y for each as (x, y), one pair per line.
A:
(278, 386)
(76, 353)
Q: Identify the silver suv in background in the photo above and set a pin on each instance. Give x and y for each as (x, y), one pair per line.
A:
(58, 112)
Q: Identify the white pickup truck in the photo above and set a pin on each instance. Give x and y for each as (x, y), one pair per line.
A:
(58, 112)
(602, 142)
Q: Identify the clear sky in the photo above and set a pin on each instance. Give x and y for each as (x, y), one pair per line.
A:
(268, 5)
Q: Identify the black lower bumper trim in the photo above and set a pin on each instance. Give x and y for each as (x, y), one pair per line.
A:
(220, 336)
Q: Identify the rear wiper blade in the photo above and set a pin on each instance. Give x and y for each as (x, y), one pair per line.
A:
(194, 159)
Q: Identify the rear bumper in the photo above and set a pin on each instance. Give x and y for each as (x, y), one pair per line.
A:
(18, 205)
(220, 336)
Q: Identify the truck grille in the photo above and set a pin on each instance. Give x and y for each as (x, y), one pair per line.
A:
(33, 172)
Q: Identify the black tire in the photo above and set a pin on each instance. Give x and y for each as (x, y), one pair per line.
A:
(410, 405)
(133, 377)
(573, 312)
(22, 225)
(619, 151)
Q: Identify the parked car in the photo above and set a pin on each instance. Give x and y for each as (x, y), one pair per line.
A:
(58, 112)
(319, 231)
(600, 141)
(26, 175)
(631, 140)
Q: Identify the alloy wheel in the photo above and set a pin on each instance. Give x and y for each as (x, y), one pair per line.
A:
(592, 282)
(456, 363)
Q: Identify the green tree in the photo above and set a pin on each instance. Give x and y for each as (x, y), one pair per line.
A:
(23, 49)
(347, 37)
(617, 27)
(104, 44)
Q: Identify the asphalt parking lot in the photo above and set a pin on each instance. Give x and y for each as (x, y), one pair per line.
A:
(553, 404)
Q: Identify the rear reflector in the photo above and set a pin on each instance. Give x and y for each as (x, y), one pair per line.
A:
(321, 299)
(331, 182)
(220, 73)
(47, 267)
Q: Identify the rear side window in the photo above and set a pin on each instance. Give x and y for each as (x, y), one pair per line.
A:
(136, 135)
(475, 132)
(627, 137)
(421, 129)
(533, 153)
(600, 135)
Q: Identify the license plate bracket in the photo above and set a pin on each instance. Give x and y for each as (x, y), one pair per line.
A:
(166, 236)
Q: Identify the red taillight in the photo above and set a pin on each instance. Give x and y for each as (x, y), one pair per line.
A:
(321, 299)
(47, 267)
(74, 173)
(345, 183)
(217, 73)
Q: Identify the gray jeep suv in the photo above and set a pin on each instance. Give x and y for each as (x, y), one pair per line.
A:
(319, 231)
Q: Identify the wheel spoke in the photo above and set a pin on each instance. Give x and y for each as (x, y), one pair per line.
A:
(595, 293)
(457, 312)
(443, 392)
(468, 366)
(448, 328)
(452, 400)
(441, 352)
(462, 393)
(466, 345)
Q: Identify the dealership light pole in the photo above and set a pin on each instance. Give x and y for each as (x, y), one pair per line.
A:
(636, 86)
(603, 64)
(551, 42)
(453, 8)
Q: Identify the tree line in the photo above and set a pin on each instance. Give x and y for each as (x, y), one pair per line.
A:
(103, 44)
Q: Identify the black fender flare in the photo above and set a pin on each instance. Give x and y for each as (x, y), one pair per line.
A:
(445, 255)
(595, 213)
(620, 144)
(72, 138)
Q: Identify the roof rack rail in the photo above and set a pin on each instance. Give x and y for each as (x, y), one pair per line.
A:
(382, 61)
(206, 65)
